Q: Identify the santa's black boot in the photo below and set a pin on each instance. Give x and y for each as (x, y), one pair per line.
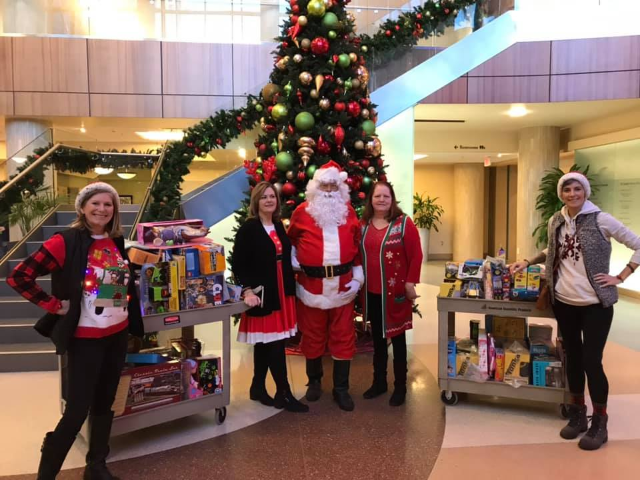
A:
(341, 385)
(314, 372)
(99, 433)
(597, 434)
(258, 390)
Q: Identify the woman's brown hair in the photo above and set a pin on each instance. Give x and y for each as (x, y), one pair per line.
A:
(394, 211)
(113, 228)
(256, 194)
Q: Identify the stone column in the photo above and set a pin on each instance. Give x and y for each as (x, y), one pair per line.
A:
(468, 218)
(538, 151)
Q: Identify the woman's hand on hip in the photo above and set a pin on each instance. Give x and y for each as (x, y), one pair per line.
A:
(410, 291)
(605, 280)
(251, 299)
(64, 307)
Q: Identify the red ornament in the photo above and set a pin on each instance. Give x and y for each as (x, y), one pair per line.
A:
(257, 178)
(285, 44)
(293, 2)
(219, 141)
(339, 106)
(364, 101)
(446, 11)
(291, 129)
(319, 45)
(382, 178)
(388, 33)
(353, 109)
(380, 162)
(198, 151)
(294, 18)
(291, 203)
(350, 182)
(419, 16)
(339, 135)
(239, 119)
(397, 28)
(301, 176)
(289, 189)
(323, 146)
(337, 91)
(294, 31)
(365, 164)
(361, 195)
(269, 108)
(295, 8)
(328, 78)
(262, 148)
(190, 144)
(335, 58)
(299, 95)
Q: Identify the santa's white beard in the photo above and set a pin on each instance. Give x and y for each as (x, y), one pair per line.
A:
(328, 209)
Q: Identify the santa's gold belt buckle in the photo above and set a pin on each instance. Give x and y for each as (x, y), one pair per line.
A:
(328, 271)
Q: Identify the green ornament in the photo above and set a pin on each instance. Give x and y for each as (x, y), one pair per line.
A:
(316, 8)
(331, 64)
(304, 121)
(258, 108)
(369, 127)
(302, 195)
(259, 171)
(274, 146)
(287, 88)
(348, 84)
(343, 60)
(279, 111)
(364, 49)
(284, 161)
(332, 35)
(330, 21)
(366, 183)
(311, 169)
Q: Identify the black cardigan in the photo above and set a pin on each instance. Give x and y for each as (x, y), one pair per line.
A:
(254, 263)
(66, 284)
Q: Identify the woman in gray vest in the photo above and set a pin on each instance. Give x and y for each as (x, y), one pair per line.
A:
(582, 295)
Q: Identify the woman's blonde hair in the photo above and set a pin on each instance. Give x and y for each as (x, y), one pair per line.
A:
(256, 194)
(113, 228)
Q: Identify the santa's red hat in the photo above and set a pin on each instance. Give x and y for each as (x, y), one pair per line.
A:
(330, 172)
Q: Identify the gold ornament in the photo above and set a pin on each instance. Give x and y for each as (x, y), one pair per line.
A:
(327, 4)
(305, 153)
(281, 138)
(364, 113)
(305, 78)
(363, 74)
(325, 104)
(258, 161)
(306, 142)
(358, 144)
(282, 63)
(302, 20)
(351, 17)
(370, 170)
(314, 93)
(355, 83)
(290, 175)
(305, 43)
(374, 147)
(297, 58)
(269, 90)
(339, 81)
(353, 57)
(319, 81)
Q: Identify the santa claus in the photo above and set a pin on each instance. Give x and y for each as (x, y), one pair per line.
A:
(325, 234)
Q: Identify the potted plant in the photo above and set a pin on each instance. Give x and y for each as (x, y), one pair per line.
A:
(32, 208)
(426, 215)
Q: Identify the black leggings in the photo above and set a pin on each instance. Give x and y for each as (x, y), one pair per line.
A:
(584, 333)
(271, 356)
(380, 353)
(93, 369)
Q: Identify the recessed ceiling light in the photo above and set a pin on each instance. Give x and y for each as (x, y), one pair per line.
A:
(418, 156)
(242, 153)
(83, 130)
(126, 175)
(103, 171)
(161, 135)
(518, 110)
(19, 159)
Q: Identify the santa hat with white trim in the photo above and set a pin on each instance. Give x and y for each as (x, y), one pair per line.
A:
(330, 172)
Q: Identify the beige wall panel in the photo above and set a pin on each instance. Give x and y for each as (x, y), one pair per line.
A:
(55, 104)
(126, 105)
(437, 181)
(508, 89)
(6, 67)
(193, 106)
(595, 55)
(528, 58)
(468, 218)
(595, 86)
(455, 92)
(6, 103)
(196, 68)
(50, 64)
(124, 66)
(252, 65)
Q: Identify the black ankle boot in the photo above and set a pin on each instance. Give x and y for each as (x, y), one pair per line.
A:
(597, 434)
(400, 381)
(258, 391)
(341, 385)
(314, 372)
(398, 396)
(260, 394)
(99, 433)
(286, 400)
(577, 422)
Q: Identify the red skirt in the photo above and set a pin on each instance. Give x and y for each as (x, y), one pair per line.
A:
(277, 325)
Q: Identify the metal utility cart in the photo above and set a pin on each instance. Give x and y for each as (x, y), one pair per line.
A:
(451, 386)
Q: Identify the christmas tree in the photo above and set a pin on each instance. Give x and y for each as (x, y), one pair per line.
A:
(316, 107)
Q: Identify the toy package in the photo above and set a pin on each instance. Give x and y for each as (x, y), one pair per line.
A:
(451, 357)
(483, 352)
(192, 262)
(170, 233)
(191, 386)
(540, 365)
(159, 288)
(234, 292)
(526, 284)
(140, 257)
(210, 374)
(451, 270)
(470, 269)
(205, 291)
(509, 327)
(499, 372)
(211, 259)
(517, 364)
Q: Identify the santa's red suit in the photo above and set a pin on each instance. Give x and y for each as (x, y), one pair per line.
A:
(325, 313)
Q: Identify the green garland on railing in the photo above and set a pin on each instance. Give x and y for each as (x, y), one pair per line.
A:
(217, 131)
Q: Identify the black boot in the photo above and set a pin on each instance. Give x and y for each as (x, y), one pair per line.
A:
(577, 422)
(54, 450)
(380, 359)
(99, 433)
(285, 399)
(258, 390)
(597, 434)
(314, 372)
(400, 382)
(341, 384)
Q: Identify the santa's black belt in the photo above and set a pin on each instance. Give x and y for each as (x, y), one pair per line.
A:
(328, 271)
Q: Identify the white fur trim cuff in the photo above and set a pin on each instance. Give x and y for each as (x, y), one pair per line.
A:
(358, 274)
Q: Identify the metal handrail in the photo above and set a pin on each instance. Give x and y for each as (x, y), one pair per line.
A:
(34, 165)
(147, 194)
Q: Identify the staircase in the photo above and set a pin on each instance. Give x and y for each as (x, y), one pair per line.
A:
(22, 349)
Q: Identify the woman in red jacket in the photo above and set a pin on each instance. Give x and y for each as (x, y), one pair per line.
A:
(391, 256)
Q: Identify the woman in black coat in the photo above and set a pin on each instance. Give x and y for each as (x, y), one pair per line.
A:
(262, 258)
(88, 319)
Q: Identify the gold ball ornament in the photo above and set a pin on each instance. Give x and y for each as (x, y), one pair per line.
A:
(325, 104)
(290, 175)
(302, 20)
(355, 83)
(364, 49)
(363, 74)
(351, 17)
(306, 142)
(314, 93)
(353, 57)
(364, 113)
(305, 43)
(305, 154)
(358, 144)
(374, 147)
(305, 78)
(297, 58)
(269, 90)
(370, 170)
(281, 137)
(282, 63)
(316, 8)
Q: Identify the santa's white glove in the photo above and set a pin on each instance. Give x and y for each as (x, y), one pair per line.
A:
(294, 259)
(353, 286)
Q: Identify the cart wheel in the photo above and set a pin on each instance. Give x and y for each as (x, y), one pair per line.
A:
(221, 415)
(563, 411)
(449, 398)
